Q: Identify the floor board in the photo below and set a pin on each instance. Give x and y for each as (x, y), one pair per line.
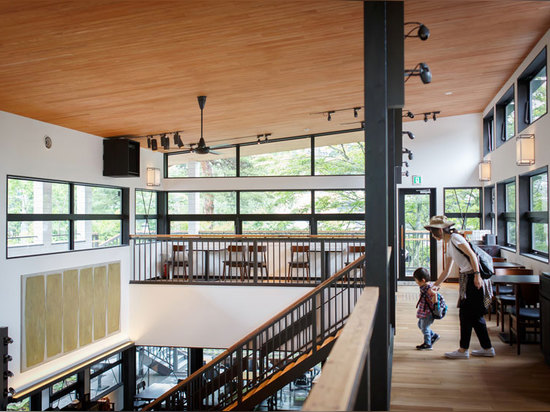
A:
(425, 380)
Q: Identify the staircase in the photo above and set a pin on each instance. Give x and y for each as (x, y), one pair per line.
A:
(276, 353)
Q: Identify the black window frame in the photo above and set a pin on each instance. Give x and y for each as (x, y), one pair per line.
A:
(489, 203)
(504, 216)
(157, 216)
(489, 132)
(527, 217)
(72, 217)
(524, 95)
(465, 215)
(500, 117)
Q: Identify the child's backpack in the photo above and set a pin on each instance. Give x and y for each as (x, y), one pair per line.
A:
(437, 308)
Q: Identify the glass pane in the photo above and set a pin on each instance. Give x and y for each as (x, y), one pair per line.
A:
(56, 387)
(340, 154)
(146, 202)
(340, 201)
(511, 233)
(205, 203)
(97, 200)
(341, 227)
(64, 400)
(510, 201)
(510, 120)
(221, 163)
(288, 158)
(37, 237)
(462, 200)
(470, 223)
(175, 359)
(279, 227)
(537, 89)
(146, 226)
(104, 382)
(22, 405)
(97, 233)
(202, 228)
(539, 193)
(540, 237)
(105, 363)
(417, 239)
(29, 196)
(298, 202)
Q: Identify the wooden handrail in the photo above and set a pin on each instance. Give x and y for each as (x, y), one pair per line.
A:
(356, 263)
(221, 236)
(338, 385)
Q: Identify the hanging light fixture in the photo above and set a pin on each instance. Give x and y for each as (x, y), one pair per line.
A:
(485, 171)
(525, 149)
(153, 176)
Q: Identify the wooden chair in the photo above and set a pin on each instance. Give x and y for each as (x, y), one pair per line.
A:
(179, 259)
(525, 313)
(503, 295)
(261, 251)
(236, 258)
(299, 259)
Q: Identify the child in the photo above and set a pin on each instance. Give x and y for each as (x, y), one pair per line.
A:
(424, 314)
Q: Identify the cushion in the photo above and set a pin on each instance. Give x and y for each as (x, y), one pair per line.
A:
(529, 313)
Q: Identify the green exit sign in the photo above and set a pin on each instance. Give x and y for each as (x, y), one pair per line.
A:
(417, 180)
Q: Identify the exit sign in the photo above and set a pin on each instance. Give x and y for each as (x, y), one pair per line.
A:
(417, 180)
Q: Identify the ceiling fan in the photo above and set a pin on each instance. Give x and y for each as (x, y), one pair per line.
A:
(201, 147)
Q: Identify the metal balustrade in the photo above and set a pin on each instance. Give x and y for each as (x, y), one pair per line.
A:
(271, 356)
(305, 260)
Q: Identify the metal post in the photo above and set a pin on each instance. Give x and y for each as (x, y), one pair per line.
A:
(129, 377)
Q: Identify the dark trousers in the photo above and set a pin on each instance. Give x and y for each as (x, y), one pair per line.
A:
(471, 317)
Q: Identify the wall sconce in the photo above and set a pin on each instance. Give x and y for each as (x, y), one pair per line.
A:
(153, 176)
(485, 171)
(525, 149)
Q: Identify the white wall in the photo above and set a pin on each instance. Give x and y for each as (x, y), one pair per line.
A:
(503, 159)
(77, 157)
(203, 316)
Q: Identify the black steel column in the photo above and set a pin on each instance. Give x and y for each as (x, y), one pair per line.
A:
(378, 97)
(195, 359)
(129, 377)
(4, 360)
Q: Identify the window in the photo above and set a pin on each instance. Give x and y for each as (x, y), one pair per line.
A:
(340, 155)
(510, 120)
(341, 227)
(532, 92)
(218, 163)
(146, 212)
(276, 227)
(63, 392)
(488, 132)
(506, 210)
(209, 227)
(340, 201)
(276, 202)
(202, 203)
(287, 158)
(42, 219)
(463, 206)
(533, 208)
(505, 117)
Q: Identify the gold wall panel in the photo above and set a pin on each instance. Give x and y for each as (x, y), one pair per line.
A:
(100, 301)
(34, 320)
(113, 298)
(54, 314)
(70, 310)
(86, 298)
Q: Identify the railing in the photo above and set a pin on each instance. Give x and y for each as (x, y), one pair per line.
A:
(241, 259)
(295, 333)
(344, 383)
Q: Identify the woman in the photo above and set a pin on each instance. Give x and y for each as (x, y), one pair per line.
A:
(472, 288)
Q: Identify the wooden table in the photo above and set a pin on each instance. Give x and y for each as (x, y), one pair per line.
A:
(515, 281)
(498, 265)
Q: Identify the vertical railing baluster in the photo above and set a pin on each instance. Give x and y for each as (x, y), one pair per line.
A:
(191, 259)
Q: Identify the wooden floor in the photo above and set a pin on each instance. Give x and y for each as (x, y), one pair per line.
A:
(425, 380)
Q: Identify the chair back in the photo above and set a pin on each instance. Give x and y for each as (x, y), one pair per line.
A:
(261, 250)
(529, 295)
(513, 271)
(299, 253)
(236, 252)
(179, 253)
(356, 249)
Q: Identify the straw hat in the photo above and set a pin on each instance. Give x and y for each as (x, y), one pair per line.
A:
(439, 222)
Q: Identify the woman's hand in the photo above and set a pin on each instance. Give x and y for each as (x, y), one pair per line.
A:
(435, 288)
(478, 282)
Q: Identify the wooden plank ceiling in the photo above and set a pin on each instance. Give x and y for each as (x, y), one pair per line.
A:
(114, 68)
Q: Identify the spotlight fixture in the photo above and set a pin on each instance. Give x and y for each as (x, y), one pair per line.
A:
(405, 173)
(410, 134)
(165, 141)
(258, 141)
(266, 136)
(154, 145)
(434, 115)
(177, 140)
(409, 114)
(8, 340)
(422, 70)
(149, 142)
(408, 153)
(423, 32)
(329, 115)
(405, 163)
(355, 111)
(426, 117)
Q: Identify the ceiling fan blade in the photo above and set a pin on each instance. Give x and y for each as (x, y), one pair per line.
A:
(212, 152)
(222, 146)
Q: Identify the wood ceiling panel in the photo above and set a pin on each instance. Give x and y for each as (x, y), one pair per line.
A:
(117, 68)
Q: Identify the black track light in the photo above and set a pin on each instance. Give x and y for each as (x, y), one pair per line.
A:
(409, 114)
(329, 115)
(410, 134)
(423, 32)
(422, 70)
(426, 117)
(405, 173)
(8, 340)
(7, 358)
(165, 141)
(177, 140)
(266, 136)
(408, 153)
(259, 138)
(154, 145)
(356, 111)
(8, 374)
(405, 163)
(434, 115)
(149, 142)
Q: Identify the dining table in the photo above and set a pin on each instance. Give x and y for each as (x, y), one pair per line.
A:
(514, 281)
(499, 265)
(153, 391)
